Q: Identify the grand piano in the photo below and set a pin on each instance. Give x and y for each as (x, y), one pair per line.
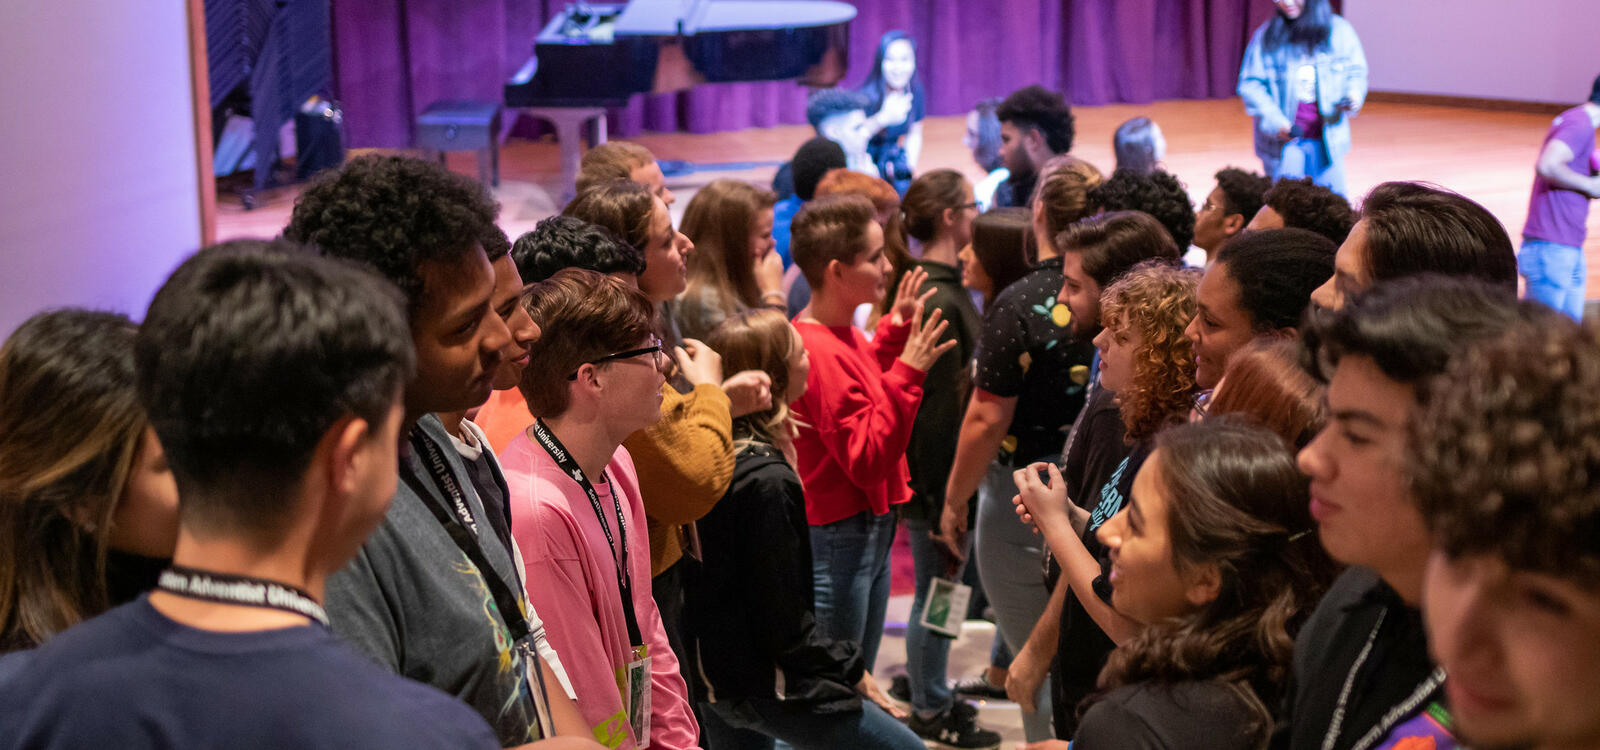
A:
(593, 55)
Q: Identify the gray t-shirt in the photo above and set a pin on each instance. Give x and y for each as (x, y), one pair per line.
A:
(414, 602)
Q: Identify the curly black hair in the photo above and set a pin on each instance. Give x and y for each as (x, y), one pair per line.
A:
(829, 102)
(1243, 192)
(568, 242)
(1156, 193)
(1276, 270)
(1043, 110)
(1307, 205)
(394, 213)
(1504, 457)
(1411, 327)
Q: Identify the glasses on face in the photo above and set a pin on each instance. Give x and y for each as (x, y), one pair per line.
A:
(657, 354)
(1202, 404)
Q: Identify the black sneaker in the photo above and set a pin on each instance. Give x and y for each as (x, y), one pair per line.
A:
(900, 692)
(979, 687)
(956, 729)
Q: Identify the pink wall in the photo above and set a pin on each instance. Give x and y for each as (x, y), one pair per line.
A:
(98, 186)
(1528, 50)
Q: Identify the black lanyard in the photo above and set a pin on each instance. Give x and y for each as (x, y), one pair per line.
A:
(226, 588)
(447, 480)
(1430, 684)
(504, 598)
(464, 532)
(564, 460)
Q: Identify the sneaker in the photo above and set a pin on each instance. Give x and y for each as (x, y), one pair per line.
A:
(979, 686)
(956, 729)
(900, 692)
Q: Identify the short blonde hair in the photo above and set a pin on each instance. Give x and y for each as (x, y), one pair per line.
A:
(611, 161)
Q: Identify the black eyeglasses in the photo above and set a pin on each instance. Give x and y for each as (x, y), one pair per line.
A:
(655, 349)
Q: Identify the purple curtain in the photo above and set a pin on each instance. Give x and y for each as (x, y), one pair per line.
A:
(394, 57)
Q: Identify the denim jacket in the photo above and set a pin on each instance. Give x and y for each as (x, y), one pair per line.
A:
(1266, 85)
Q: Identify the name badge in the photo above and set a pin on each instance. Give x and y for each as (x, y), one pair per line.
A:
(946, 608)
(633, 682)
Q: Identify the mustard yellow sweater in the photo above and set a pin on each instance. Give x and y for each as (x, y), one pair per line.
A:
(685, 462)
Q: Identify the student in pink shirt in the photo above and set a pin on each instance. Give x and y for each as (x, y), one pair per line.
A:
(576, 512)
(860, 400)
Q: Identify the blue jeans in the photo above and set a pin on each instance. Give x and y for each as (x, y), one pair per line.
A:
(755, 724)
(927, 652)
(1008, 555)
(1307, 157)
(1556, 275)
(850, 578)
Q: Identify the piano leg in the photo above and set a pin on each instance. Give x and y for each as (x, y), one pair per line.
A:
(569, 124)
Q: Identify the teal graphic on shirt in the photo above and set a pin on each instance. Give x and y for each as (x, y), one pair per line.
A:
(1111, 498)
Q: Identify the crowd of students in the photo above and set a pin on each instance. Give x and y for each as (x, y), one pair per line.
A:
(395, 479)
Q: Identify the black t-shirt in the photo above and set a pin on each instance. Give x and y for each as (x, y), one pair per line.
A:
(1364, 635)
(1081, 646)
(1027, 351)
(131, 678)
(1194, 715)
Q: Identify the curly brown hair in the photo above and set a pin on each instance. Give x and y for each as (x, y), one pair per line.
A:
(1158, 299)
(1505, 456)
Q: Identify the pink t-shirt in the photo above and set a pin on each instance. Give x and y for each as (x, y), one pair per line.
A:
(572, 582)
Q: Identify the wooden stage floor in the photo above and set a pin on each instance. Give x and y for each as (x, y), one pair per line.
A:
(1487, 156)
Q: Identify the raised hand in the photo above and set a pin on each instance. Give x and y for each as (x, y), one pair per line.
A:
(699, 363)
(922, 345)
(749, 391)
(1037, 502)
(909, 297)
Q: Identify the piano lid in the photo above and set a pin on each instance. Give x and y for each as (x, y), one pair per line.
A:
(661, 17)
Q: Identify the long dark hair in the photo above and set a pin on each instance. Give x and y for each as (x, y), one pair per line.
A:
(1310, 31)
(1236, 501)
(874, 87)
(1003, 244)
(70, 429)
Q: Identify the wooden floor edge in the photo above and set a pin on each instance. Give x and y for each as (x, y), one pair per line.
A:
(1471, 102)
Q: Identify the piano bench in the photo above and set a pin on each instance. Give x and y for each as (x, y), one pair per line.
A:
(463, 126)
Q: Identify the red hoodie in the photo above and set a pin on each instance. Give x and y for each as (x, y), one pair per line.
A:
(857, 412)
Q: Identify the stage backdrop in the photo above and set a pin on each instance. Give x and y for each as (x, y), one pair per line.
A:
(394, 57)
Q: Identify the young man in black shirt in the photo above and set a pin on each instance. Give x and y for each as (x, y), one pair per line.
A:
(1504, 479)
(1035, 124)
(273, 379)
(1361, 667)
(435, 594)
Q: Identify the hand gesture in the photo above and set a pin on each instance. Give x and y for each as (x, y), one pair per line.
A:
(869, 687)
(922, 345)
(750, 391)
(896, 108)
(909, 297)
(699, 363)
(1040, 503)
(769, 274)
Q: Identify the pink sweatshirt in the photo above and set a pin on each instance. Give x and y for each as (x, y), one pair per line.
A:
(572, 582)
